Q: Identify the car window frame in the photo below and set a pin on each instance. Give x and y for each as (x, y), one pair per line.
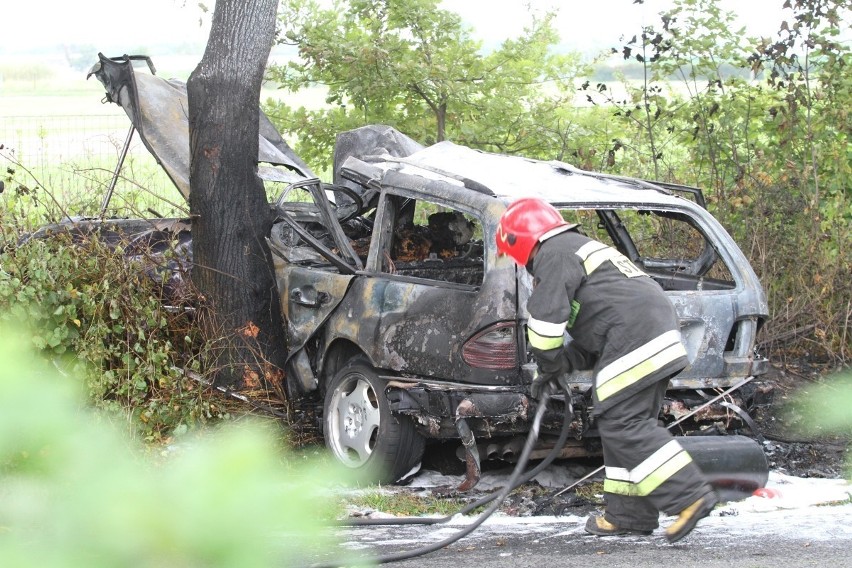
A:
(382, 241)
(348, 263)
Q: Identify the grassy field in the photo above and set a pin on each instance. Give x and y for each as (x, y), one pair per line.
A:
(67, 92)
(87, 101)
(57, 134)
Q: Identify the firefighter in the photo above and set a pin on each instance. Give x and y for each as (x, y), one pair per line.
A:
(622, 326)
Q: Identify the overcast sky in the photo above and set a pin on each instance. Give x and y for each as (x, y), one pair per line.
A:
(127, 25)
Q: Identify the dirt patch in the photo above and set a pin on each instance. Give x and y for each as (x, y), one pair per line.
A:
(791, 444)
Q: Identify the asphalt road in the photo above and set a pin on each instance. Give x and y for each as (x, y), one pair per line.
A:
(814, 536)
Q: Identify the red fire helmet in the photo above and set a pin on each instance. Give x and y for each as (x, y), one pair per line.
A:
(523, 223)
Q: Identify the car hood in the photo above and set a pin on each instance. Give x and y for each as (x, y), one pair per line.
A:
(158, 109)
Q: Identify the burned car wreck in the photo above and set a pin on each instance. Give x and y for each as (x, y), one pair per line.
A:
(432, 329)
(404, 325)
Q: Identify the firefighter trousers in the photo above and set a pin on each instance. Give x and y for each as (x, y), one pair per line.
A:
(647, 471)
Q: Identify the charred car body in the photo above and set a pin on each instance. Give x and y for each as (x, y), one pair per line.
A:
(404, 325)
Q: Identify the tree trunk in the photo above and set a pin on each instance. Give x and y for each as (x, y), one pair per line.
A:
(230, 214)
(441, 116)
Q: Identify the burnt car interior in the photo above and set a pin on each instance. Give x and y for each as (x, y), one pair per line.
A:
(307, 236)
(422, 239)
(414, 238)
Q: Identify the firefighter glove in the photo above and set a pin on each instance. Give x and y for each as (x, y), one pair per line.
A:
(539, 384)
(552, 364)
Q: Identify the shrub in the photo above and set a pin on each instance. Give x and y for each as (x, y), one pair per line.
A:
(100, 316)
(823, 409)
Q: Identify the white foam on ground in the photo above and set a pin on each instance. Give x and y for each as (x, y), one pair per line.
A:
(803, 508)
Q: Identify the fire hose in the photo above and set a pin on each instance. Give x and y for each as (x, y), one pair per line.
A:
(496, 499)
(516, 479)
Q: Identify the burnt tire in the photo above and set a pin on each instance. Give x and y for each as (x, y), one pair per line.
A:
(360, 429)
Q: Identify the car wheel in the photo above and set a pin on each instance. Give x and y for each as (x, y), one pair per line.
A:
(360, 429)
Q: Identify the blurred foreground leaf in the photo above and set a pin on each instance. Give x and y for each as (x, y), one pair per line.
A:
(73, 492)
(825, 408)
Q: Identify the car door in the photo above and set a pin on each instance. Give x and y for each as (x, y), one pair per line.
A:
(314, 260)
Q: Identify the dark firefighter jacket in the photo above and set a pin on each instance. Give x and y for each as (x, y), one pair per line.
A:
(621, 321)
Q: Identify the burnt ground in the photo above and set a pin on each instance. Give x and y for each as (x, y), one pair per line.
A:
(790, 447)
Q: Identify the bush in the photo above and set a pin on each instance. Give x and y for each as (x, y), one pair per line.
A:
(824, 409)
(100, 316)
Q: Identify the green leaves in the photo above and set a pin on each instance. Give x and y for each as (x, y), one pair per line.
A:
(88, 299)
(823, 409)
(75, 493)
(762, 125)
(415, 66)
(829, 404)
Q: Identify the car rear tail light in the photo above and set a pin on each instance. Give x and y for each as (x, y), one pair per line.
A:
(495, 347)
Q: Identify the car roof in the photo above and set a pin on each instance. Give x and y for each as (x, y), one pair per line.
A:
(512, 177)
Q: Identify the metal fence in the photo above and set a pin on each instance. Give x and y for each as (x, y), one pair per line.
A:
(43, 141)
(73, 157)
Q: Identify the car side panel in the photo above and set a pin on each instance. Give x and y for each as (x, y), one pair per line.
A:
(418, 327)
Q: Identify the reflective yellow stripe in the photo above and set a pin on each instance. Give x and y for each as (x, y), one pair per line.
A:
(639, 363)
(588, 250)
(648, 475)
(640, 371)
(593, 254)
(599, 257)
(545, 335)
(638, 355)
(543, 342)
(547, 328)
(644, 469)
(650, 483)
